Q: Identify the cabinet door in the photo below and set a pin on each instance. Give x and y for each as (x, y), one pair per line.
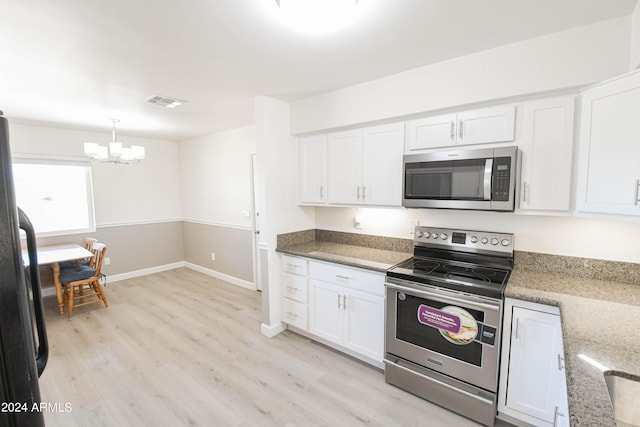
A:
(365, 324)
(535, 374)
(610, 148)
(547, 151)
(326, 312)
(345, 166)
(313, 169)
(494, 124)
(431, 132)
(382, 148)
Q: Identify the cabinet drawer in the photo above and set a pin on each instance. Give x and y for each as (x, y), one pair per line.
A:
(294, 265)
(351, 277)
(295, 314)
(294, 287)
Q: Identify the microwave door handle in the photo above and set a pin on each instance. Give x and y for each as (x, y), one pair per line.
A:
(488, 168)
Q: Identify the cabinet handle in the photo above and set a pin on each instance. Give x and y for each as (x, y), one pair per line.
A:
(460, 129)
(291, 288)
(342, 277)
(452, 132)
(518, 328)
(338, 301)
(364, 194)
(635, 202)
(525, 195)
(556, 414)
(290, 314)
(560, 362)
(321, 192)
(344, 302)
(291, 265)
(358, 192)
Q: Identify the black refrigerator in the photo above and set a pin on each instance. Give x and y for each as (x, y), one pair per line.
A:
(23, 337)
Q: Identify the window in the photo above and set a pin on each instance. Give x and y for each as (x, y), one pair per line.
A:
(55, 194)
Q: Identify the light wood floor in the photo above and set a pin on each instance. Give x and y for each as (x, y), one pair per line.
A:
(183, 349)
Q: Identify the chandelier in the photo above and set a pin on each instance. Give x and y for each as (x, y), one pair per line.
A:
(114, 152)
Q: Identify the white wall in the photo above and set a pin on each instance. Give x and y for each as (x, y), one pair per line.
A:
(582, 237)
(570, 58)
(635, 39)
(277, 169)
(215, 169)
(123, 194)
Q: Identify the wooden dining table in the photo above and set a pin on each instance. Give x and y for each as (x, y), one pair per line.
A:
(53, 256)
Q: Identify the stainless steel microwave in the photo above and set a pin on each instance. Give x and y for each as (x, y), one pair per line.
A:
(479, 179)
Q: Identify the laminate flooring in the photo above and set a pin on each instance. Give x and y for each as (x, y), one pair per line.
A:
(180, 348)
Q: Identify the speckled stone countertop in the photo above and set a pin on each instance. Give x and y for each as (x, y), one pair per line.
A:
(599, 320)
(354, 256)
(376, 253)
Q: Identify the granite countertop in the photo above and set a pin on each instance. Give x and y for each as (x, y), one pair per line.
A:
(598, 321)
(351, 255)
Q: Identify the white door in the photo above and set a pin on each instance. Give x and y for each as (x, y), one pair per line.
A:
(535, 374)
(431, 132)
(326, 312)
(313, 169)
(365, 324)
(382, 148)
(345, 166)
(610, 148)
(547, 154)
(493, 124)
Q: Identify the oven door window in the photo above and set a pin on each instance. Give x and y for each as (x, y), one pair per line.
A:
(445, 180)
(411, 330)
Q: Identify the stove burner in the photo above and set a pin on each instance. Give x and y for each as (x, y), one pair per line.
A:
(466, 278)
(484, 271)
(456, 268)
(426, 266)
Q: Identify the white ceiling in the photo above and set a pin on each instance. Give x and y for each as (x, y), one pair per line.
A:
(77, 63)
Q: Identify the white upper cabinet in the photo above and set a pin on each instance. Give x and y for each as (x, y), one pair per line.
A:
(546, 148)
(484, 125)
(609, 161)
(345, 166)
(382, 164)
(365, 165)
(313, 169)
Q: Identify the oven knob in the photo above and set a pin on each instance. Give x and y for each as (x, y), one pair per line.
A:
(434, 235)
(495, 241)
(484, 240)
(474, 239)
(443, 236)
(505, 242)
(419, 234)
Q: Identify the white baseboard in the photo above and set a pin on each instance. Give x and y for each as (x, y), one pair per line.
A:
(144, 271)
(225, 277)
(272, 331)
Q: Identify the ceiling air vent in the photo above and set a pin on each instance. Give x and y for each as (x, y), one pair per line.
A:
(164, 101)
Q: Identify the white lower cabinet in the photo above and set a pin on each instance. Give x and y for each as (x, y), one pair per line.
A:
(294, 292)
(532, 376)
(346, 307)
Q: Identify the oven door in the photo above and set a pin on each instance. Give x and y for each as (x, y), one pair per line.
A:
(446, 331)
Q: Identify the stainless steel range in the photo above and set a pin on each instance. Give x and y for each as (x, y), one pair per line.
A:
(444, 318)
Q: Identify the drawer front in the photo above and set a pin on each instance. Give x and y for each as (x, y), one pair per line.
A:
(354, 278)
(294, 287)
(295, 314)
(294, 265)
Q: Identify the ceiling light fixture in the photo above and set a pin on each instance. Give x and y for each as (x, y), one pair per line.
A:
(317, 16)
(115, 152)
(164, 101)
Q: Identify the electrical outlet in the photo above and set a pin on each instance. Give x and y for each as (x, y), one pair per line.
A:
(106, 261)
(213, 256)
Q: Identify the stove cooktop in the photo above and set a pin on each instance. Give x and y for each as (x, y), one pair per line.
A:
(474, 262)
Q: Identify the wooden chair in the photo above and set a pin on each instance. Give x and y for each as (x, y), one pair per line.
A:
(82, 283)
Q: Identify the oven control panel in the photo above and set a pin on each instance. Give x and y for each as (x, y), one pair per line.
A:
(464, 240)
